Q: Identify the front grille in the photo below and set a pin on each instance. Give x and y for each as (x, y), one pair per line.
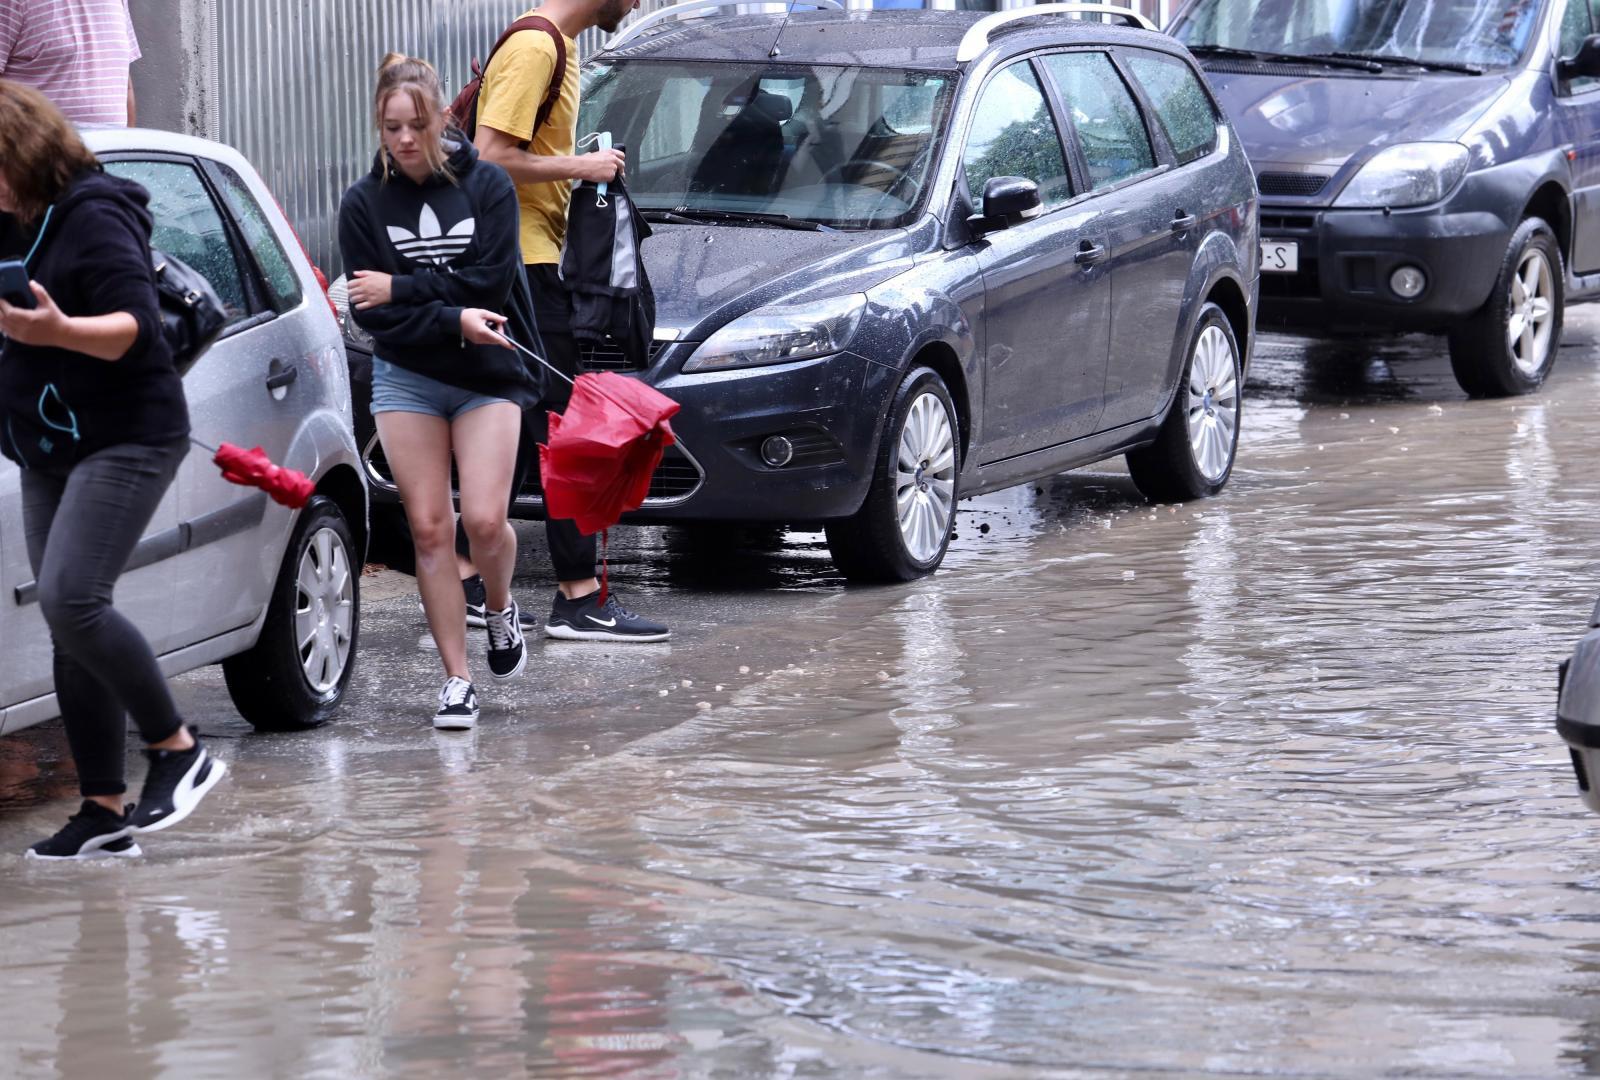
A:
(677, 477)
(1301, 185)
(608, 356)
(1304, 285)
(1272, 224)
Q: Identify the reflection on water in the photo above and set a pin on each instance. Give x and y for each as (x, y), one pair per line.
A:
(1262, 785)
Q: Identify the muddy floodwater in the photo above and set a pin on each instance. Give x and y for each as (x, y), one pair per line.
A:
(1264, 785)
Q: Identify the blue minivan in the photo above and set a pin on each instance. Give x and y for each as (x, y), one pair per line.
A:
(1424, 165)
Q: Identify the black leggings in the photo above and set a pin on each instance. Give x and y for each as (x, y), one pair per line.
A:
(81, 527)
(572, 554)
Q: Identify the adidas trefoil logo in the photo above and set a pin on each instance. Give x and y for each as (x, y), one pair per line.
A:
(430, 243)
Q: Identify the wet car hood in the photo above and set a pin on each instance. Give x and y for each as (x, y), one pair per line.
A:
(704, 275)
(1321, 122)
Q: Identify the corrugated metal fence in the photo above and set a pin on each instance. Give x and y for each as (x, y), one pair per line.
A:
(295, 81)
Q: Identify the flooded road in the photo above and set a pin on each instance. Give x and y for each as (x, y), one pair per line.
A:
(1265, 785)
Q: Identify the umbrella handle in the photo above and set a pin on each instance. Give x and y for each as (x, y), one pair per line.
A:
(509, 340)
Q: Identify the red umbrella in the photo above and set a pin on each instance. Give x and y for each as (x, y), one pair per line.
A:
(603, 449)
(253, 468)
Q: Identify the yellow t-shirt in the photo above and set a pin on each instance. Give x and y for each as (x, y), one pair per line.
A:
(513, 88)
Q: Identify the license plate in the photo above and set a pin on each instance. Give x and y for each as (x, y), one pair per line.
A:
(1279, 256)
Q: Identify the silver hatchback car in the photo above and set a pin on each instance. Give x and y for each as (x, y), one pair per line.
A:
(223, 573)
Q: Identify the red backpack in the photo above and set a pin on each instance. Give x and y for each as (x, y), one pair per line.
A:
(463, 111)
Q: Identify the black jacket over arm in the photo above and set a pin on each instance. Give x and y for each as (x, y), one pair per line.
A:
(449, 243)
(94, 259)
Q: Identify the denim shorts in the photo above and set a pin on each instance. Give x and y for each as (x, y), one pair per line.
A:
(397, 389)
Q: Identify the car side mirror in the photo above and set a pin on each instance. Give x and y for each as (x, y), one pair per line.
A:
(1007, 201)
(1585, 64)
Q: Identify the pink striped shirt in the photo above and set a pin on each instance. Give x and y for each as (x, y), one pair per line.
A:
(75, 52)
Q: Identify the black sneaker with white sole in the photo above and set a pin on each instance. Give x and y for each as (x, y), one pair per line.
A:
(174, 786)
(472, 590)
(458, 706)
(587, 619)
(92, 833)
(508, 654)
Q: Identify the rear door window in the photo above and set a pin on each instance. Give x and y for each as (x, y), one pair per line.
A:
(190, 226)
(1104, 116)
(1182, 106)
(1013, 134)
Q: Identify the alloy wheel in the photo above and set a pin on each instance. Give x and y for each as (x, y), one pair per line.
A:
(1530, 317)
(925, 477)
(324, 610)
(1213, 406)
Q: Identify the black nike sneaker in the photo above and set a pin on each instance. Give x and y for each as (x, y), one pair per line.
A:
(174, 786)
(508, 654)
(587, 619)
(92, 833)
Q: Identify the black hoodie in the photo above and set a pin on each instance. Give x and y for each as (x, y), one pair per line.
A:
(449, 245)
(93, 259)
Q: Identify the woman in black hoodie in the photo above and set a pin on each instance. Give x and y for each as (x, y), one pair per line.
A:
(92, 409)
(430, 238)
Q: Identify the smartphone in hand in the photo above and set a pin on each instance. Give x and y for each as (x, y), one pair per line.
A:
(14, 285)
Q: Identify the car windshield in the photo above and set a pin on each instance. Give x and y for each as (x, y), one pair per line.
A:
(840, 147)
(1480, 33)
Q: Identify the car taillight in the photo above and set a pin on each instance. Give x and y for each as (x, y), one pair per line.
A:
(322, 279)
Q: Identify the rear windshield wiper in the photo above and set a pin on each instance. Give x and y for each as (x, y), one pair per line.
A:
(1410, 61)
(1325, 59)
(696, 215)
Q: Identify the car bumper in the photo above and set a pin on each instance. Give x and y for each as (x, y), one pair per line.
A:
(1348, 256)
(830, 409)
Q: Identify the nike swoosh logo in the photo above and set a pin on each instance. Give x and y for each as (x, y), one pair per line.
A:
(601, 622)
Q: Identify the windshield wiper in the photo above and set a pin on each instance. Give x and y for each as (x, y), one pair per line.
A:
(1410, 61)
(696, 215)
(1265, 56)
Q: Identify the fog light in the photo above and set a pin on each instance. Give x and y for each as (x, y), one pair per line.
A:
(1408, 282)
(777, 451)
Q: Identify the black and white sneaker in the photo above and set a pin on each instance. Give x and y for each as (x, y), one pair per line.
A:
(92, 833)
(508, 654)
(586, 619)
(458, 706)
(174, 786)
(472, 590)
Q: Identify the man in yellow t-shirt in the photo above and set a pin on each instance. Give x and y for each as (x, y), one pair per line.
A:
(541, 162)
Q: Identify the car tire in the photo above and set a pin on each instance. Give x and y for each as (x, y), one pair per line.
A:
(1510, 345)
(903, 527)
(1193, 453)
(274, 685)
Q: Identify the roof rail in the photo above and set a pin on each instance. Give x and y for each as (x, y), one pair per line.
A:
(684, 10)
(977, 38)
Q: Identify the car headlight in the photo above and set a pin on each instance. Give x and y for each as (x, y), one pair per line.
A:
(339, 296)
(1410, 174)
(781, 333)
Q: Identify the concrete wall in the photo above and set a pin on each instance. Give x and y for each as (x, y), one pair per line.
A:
(174, 81)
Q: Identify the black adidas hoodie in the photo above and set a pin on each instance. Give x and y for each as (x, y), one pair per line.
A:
(449, 245)
(94, 259)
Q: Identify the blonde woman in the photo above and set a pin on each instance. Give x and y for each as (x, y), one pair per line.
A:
(430, 239)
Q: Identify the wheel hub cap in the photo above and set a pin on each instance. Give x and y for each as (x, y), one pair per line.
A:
(1213, 405)
(1530, 319)
(324, 615)
(925, 476)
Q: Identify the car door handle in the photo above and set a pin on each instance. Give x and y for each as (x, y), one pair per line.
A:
(1089, 254)
(279, 379)
(1182, 222)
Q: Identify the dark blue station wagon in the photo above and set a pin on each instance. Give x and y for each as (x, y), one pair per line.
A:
(903, 258)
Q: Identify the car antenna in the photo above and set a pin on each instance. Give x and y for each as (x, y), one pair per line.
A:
(775, 51)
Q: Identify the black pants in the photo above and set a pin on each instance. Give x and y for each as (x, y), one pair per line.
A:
(81, 526)
(572, 554)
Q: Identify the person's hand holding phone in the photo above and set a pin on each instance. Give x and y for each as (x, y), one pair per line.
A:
(44, 325)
